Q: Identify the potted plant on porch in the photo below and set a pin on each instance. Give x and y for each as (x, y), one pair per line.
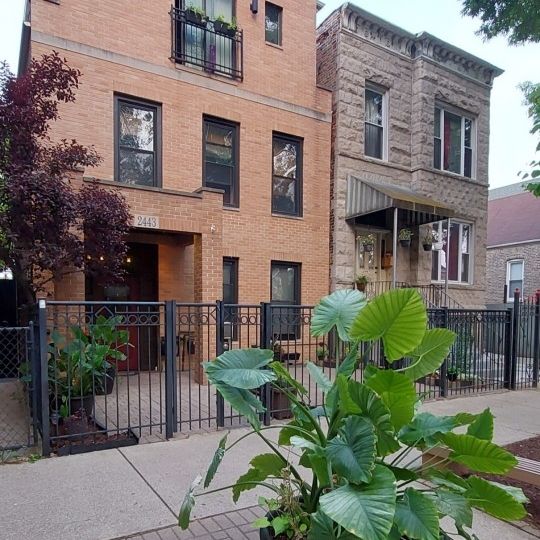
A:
(368, 243)
(221, 26)
(429, 239)
(404, 237)
(361, 283)
(358, 479)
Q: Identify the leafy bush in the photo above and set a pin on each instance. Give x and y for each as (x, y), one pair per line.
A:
(361, 447)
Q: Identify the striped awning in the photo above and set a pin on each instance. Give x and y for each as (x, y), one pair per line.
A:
(365, 198)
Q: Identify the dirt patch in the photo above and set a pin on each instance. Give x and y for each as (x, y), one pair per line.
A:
(530, 449)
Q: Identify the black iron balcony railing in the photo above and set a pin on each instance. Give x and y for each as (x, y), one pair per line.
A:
(206, 44)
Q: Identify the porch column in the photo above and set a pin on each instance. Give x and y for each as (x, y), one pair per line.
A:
(446, 253)
(394, 248)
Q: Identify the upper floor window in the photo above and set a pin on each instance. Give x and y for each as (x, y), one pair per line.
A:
(273, 16)
(286, 175)
(453, 148)
(220, 167)
(375, 123)
(514, 277)
(455, 257)
(137, 134)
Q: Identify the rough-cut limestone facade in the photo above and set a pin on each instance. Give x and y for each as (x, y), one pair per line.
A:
(355, 47)
(497, 259)
(127, 51)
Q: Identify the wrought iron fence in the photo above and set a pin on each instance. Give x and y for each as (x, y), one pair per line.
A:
(114, 373)
(16, 393)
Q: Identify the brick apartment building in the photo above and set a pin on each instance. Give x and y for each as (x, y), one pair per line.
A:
(219, 138)
(410, 146)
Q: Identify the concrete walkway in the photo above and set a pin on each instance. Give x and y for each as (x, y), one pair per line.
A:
(126, 492)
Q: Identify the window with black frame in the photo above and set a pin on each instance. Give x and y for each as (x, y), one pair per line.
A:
(221, 158)
(285, 291)
(230, 296)
(286, 175)
(374, 123)
(273, 16)
(137, 138)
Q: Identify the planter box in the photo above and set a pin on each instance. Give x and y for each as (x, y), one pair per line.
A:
(281, 406)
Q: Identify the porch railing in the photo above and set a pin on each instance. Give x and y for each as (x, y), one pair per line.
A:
(198, 43)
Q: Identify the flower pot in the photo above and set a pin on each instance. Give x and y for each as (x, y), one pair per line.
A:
(427, 247)
(195, 18)
(85, 403)
(452, 377)
(368, 248)
(361, 287)
(281, 406)
(405, 243)
(108, 382)
(224, 29)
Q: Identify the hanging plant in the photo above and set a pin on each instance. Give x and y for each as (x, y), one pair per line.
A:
(368, 243)
(404, 237)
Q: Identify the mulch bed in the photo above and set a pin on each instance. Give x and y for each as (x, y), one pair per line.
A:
(530, 449)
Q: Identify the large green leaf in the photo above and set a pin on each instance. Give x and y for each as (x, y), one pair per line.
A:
(350, 362)
(516, 492)
(291, 429)
(371, 406)
(216, 461)
(338, 310)
(417, 516)
(494, 500)
(242, 401)
(322, 527)
(397, 393)
(187, 504)
(453, 505)
(398, 317)
(423, 428)
(241, 368)
(262, 466)
(430, 354)
(352, 452)
(448, 479)
(478, 454)
(319, 376)
(366, 511)
(482, 426)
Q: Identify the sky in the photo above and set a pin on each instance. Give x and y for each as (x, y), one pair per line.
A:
(512, 147)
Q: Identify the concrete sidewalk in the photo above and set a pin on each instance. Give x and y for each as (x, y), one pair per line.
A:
(125, 492)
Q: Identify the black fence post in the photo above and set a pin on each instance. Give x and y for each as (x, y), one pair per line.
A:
(170, 368)
(508, 347)
(515, 340)
(266, 343)
(443, 379)
(505, 293)
(34, 385)
(220, 348)
(536, 337)
(43, 383)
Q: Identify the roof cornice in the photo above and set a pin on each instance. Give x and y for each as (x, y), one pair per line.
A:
(422, 45)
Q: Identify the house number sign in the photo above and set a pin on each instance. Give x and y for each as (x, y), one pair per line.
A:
(146, 222)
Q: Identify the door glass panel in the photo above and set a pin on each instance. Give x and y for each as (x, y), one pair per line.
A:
(452, 142)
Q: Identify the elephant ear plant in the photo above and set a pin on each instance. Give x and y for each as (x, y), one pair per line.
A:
(361, 449)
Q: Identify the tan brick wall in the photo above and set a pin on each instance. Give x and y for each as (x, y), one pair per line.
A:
(251, 233)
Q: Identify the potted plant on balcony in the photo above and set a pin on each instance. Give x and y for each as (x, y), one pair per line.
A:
(195, 15)
(322, 353)
(221, 26)
(404, 237)
(368, 243)
(349, 486)
(361, 283)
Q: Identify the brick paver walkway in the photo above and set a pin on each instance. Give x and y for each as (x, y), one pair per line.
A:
(235, 525)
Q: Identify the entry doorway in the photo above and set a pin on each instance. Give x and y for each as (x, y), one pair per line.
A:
(140, 284)
(370, 257)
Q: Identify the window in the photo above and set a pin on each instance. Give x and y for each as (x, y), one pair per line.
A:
(137, 135)
(286, 175)
(453, 143)
(230, 296)
(375, 121)
(514, 277)
(273, 23)
(221, 158)
(458, 246)
(285, 291)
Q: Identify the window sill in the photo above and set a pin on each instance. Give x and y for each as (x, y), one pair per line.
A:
(453, 175)
(193, 70)
(231, 208)
(274, 45)
(455, 284)
(286, 216)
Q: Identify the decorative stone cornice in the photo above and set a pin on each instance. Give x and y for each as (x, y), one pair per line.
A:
(422, 45)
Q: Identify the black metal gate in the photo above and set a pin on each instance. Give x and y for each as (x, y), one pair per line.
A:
(16, 393)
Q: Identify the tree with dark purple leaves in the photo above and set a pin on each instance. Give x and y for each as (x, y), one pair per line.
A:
(49, 226)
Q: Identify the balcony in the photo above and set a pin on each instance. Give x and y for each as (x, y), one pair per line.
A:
(206, 44)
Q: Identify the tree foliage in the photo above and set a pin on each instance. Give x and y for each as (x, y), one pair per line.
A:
(48, 227)
(532, 100)
(517, 19)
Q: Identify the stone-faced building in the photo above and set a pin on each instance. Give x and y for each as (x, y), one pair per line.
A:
(216, 134)
(513, 243)
(410, 149)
